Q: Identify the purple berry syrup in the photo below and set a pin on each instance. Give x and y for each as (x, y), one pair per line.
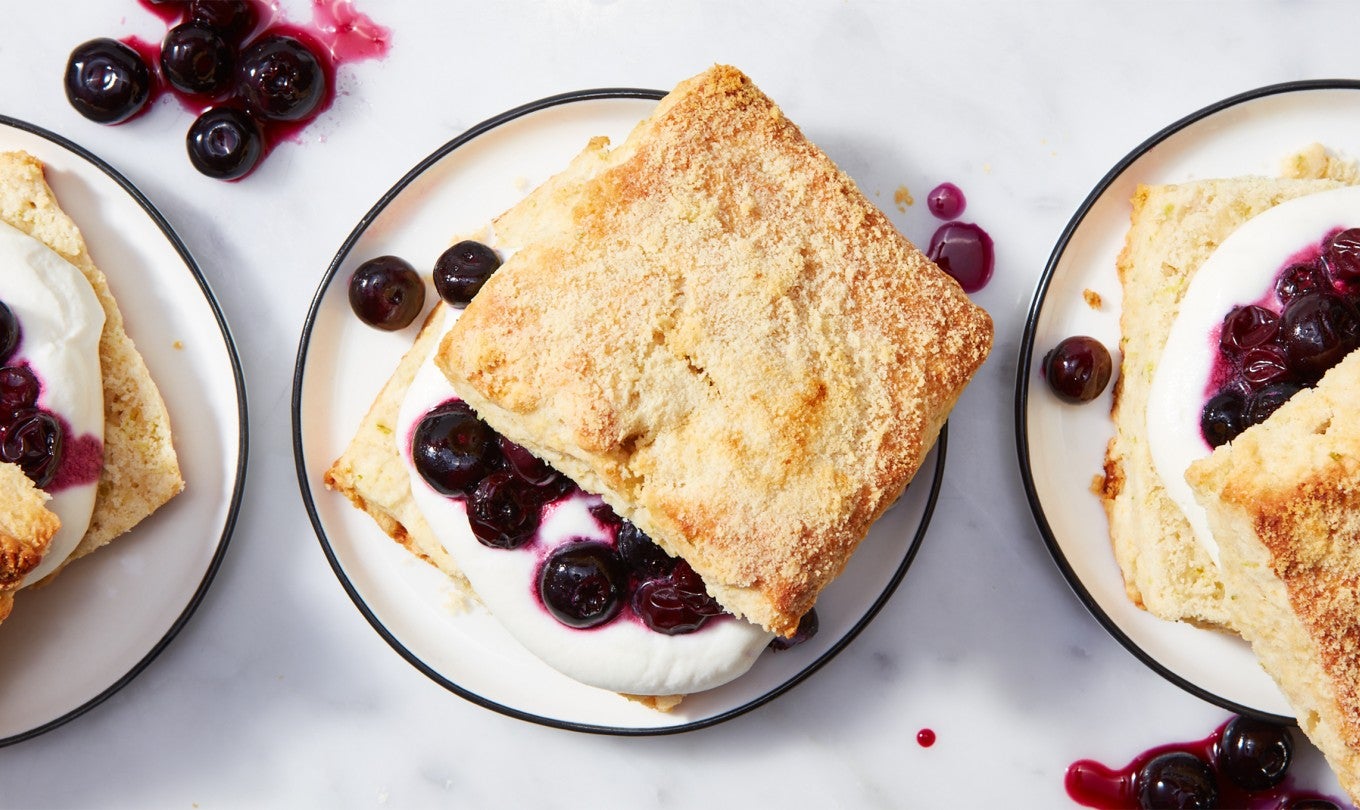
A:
(946, 201)
(925, 738)
(964, 251)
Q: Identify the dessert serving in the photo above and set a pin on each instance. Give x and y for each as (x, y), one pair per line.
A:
(81, 419)
(706, 366)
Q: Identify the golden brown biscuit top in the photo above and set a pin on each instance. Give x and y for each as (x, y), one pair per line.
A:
(714, 329)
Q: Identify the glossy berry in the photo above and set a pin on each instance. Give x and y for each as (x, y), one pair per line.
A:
(1223, 418)
(34, 440)
(1263, 365)
(1299, 279)
(460, 271)
(452, 449)
(107, 81)
(1341, 257)
(807, 628)
(504, 510)
(1255, 755)
(1246, 328)
(196, 59)
(1317, 330)
(675, 604)
(224, 143)
(641, 554)
(280, 79)
(1078, 369)
(1311, 803)
(1176, 780)
(1266, 401)
(19, 389)
(582, 584)
(526, 465)
(231, 19)
(10, 332)
(386, 292)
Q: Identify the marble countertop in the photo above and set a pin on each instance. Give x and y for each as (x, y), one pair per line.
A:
(278, 693)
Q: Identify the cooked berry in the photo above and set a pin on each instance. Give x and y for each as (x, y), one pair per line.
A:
(224, 143)
(1341, 257)
(605, 513)
(280, 79)
(1311, 803)
(1223, 417)
(232, 19)
(386, 292)
(10, 332)
(1263, 365)
(1078, 369)
(1298, 279)
(1246, 328)
(526, 465)
(807, 628)
(33, 439)
(19, 389)
(642, 556)
(504, 510)
(1176, 780)
(107, 81)
(196, 59)
(582, 584)
(1317, 330)
(1255, 755)
(1266, 401)
(460, 271)
(452, 449)
(675, 604)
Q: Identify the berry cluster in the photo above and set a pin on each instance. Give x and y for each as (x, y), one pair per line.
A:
(1267, 352)
(29, 436)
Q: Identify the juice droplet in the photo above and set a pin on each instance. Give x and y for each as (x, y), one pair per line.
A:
(964, 251)
(946, 201)
(925, 738)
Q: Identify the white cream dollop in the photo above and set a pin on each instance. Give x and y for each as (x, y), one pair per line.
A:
(60, 322)
(1240, 272)
(622, 655)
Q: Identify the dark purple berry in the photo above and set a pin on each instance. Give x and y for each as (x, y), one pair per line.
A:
(504, 510)
(675, 604)
(1317, 330)
(807, 628)
(386, 292)
(1266, 401)
(280, 79)
(641, 554)
(1299, 279)
(1254, 755)
(1223, 418)
(19, 389)
(460, 271)
(224, 143)
(605, 513)
(582, 584)
(1341, 257)
(452, 449)
(1263, 365)
(107, 81)
(1176, 780)
(526, 465)
(10, 332)
(232, 19)
(1246, 328)
(1078, 369)
(34, 440)
(1311, 803)
(196, 59)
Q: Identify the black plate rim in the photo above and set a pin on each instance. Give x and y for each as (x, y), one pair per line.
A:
(1026, 358)
(309, 502)
(243, 444)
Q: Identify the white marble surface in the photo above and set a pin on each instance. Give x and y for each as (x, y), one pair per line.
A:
(278, 693)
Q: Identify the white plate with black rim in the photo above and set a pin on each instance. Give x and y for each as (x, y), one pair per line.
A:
(342, 363)
(71, 644)
(1061, 446)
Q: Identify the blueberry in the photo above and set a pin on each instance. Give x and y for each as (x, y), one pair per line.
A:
(582, 584)
(1255, 755)
(675, 604)
(460, 271)
(1078, 369)
(807, 628)
(642, 556)
(280, 79)
(504, 510)
(386, 292)
(231, 19)
(452, 449)
(107, 81)
(195, 59)
(10, 332)
(1223, 418)
(1176, 780)
(34, 440)
(1317, 330)
(19, 389)
(1266, 401)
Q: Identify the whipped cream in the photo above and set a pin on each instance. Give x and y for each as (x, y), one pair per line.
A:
(1240, 272)
(60, 321)
(622, 655)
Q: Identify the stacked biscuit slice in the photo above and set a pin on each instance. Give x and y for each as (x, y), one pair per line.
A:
(1281, 498)
(140, 470)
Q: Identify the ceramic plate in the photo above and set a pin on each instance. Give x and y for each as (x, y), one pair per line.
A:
(1062, 446)
(73, 643)
(342, 364)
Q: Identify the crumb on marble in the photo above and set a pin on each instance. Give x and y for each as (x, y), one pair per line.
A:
(179, 344)
(986, 168)
(903, 199)
(1093, 299)
(521, 183)
(1098, 484)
